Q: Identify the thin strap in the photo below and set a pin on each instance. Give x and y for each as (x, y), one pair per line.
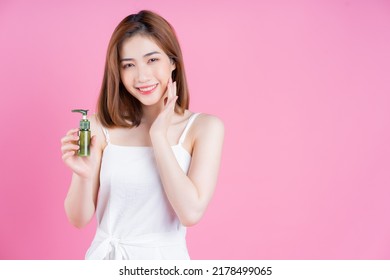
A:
(188, 125)
(105, 131)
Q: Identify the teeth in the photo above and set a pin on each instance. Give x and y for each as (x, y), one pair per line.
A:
(148, 88)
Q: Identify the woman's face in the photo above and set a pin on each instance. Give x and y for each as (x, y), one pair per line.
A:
(145, 69)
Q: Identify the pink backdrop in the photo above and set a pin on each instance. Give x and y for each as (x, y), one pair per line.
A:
(304, 92)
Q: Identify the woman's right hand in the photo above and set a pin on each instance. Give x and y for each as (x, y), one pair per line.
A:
(82, 166)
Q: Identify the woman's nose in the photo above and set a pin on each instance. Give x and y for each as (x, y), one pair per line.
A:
(143, 74)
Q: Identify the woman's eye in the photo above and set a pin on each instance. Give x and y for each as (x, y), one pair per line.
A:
(128, 65)
(153, 59)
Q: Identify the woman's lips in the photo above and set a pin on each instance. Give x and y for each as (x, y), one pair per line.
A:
(147, 89)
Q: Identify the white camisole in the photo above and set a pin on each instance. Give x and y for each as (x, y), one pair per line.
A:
(135, 218)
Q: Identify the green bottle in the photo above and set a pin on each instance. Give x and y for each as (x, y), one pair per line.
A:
(84, 134)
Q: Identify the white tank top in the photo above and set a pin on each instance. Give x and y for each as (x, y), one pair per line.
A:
(135, 219)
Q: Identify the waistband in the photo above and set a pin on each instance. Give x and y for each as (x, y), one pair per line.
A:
(108, 244)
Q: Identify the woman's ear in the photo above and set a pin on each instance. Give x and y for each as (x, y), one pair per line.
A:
(173, 64)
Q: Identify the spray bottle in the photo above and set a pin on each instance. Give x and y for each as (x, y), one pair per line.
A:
(84, 134)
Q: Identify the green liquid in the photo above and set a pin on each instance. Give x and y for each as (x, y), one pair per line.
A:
(85, 139)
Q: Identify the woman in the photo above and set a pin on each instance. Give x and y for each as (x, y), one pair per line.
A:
(154, 164)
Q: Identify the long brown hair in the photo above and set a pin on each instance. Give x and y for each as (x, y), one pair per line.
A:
(116, 106)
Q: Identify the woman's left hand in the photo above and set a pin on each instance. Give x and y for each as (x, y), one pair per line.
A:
(160, 125)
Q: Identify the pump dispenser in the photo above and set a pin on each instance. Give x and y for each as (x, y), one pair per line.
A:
(84, 134)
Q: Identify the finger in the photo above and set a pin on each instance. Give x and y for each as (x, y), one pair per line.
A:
(170, 93)
(72, 131)
(171, 104)
(174, 89)
(69, 147)
(69, 135)
(165, 97)
(69, 138)
(68, 155)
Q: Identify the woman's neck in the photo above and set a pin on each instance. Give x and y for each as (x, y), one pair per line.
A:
(150, 113)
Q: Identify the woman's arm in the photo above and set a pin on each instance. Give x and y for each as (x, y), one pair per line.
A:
(80, 202)
(190, 195)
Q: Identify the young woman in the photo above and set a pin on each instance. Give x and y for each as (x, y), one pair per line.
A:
(154, 164)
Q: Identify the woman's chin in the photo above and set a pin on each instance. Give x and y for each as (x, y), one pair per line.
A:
(151, 102)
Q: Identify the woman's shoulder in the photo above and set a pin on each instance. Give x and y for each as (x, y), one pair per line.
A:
(95, 123)
(97, 129)
(207, 123)
(204, 119)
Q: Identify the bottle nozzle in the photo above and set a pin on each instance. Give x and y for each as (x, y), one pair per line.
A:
(84, 112)
(84, 123)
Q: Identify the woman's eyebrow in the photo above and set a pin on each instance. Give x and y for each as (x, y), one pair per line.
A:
(146, 55)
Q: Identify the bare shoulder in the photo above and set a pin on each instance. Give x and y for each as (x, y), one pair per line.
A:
(207, 124)
(207, 140)
(96, 130)
(95, 124)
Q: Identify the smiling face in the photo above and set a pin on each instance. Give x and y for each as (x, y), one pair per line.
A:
(145, 69)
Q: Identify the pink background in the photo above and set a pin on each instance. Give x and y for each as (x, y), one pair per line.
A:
(302, 87)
